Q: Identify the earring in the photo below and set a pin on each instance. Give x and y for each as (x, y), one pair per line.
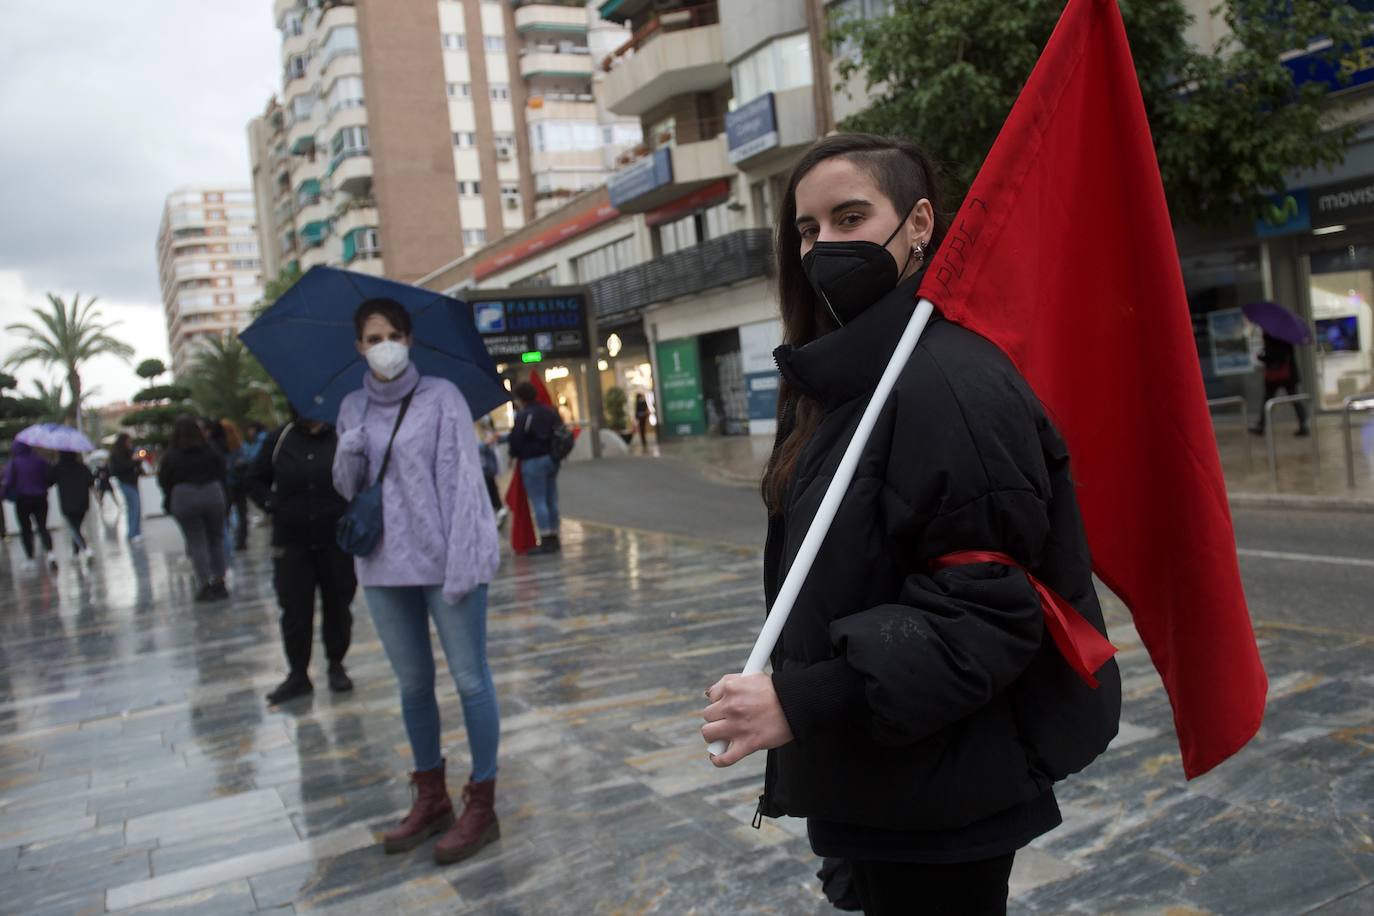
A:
(919, 249)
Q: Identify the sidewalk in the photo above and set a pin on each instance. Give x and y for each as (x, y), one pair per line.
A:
(741, 459)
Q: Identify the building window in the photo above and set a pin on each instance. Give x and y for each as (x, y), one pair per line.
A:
(494, 42)
(503, 141)
(460, 90)
(347, 92)
(510, 190)
(606, 260)
(295, 67)
(464, 138)
(678, 235)
(474, 238)
(455, 41)
(782, 64)
(340, 40)
(500, 91)
(470, 188)
(348, 141)
(291, 24)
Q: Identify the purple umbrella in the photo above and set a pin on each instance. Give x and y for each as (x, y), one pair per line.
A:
(1277, 321)
(55, 437)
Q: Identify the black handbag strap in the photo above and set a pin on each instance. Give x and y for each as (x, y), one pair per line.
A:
(405, 405)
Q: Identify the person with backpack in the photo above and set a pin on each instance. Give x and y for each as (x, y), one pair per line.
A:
(291, 478)
(537, 438)
(407, 462)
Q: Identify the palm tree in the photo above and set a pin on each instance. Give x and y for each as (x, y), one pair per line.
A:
(226, 381)
(49, 397)
(68, 336)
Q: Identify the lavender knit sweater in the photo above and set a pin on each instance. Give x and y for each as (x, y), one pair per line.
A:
(438, 526)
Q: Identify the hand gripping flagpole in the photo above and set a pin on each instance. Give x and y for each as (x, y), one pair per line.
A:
(825, 515)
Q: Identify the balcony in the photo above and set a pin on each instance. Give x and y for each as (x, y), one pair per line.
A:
(733, 258)
(359, 214)
(316, 214)
(353, 175)
(556, 64)
(678, 52)
(548, 17)
(669, 173)
(771, 127)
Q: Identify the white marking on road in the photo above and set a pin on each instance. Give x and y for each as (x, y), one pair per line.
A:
(1303, 557)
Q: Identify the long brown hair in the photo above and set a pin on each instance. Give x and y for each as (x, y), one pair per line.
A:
(904, 174)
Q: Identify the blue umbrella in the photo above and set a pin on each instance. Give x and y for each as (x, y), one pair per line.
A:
(306, 341)
(55, 437)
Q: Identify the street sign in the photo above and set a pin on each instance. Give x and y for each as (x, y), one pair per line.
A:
(532, 324)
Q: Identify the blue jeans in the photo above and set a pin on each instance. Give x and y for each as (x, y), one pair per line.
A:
(401, 616)
(134, 508)
(541, 480)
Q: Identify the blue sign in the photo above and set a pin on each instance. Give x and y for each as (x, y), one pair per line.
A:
(1286, 214)
(636, 180)
(763, 395)
(752, 129)
(555, 325)
(1312, 67)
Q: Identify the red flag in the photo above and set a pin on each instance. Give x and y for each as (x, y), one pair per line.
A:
(1063, 255)
(522, 538)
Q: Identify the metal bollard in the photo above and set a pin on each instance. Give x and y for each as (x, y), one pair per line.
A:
(1353, 403)
(1244, 421)
(1269, 406)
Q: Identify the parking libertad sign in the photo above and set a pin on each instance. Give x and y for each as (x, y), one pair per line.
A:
(551, 321)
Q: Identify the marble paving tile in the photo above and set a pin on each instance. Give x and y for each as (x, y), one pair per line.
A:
(222, 814)
(234, 898)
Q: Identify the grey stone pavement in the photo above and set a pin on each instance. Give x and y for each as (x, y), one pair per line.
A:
(142, 772)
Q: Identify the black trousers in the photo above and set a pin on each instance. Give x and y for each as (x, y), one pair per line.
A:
(493, 493)
(33, 517)
(238, 501)
(910, 889)
(300, 571)
(1271, 390)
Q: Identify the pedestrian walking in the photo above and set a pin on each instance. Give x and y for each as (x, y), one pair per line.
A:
(27, 479)
(531, 443)
(292, 479)
(916, 715)
(437, 552)
(192, 480)
(126, 470)
(642, 419)
(1280, 374)
(235, 465)
(74, 481)
(487, 440)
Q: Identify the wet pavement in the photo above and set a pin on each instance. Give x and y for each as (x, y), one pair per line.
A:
(141, 770)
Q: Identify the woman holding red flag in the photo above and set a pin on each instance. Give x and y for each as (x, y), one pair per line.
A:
(946, 668)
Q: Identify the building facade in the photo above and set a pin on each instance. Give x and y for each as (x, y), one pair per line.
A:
(411, 129)
(208, 265)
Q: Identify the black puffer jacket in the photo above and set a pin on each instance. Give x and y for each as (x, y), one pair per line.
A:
(925, 702)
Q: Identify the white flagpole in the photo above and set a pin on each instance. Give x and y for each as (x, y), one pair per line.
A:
(825, 515)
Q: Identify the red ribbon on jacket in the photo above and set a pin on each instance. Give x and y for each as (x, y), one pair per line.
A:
(1083, 647)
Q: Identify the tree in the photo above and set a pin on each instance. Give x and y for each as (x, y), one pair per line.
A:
(67, 336)
(150, 369)
(8, 382)
(48, 398)
(1228, 121)
(275, 289)
(164, 403)
(226, 381)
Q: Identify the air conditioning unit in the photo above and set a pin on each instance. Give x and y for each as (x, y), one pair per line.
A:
(512, 203)
(503, 153)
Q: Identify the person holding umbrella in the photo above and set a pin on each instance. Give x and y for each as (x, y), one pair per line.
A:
(917, 713)
(27, 479)
(414, 434)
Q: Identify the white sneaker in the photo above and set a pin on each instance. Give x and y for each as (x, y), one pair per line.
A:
(136, 539)
(501, 516)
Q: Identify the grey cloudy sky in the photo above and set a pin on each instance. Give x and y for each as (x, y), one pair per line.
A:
(104, 109)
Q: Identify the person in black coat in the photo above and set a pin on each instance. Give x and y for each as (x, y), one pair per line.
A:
(1280, 363)
(191, 476)
(291, 479)
(74, 481)
(531, 443)
(917, 715)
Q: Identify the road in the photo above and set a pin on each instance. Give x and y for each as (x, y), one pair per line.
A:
(1300, 567)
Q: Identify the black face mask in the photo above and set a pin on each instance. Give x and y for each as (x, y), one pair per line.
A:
(848, 277)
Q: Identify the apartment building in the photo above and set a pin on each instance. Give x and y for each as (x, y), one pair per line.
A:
(410, 129)
(208, 265)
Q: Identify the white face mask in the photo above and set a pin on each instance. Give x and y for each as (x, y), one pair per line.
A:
(388, 358)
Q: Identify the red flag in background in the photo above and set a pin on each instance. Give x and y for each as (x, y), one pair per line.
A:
(1063, 255)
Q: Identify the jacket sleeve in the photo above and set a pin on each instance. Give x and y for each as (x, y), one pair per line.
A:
(165, 471)
(465, 512)
(258, 479)
(515, 442)
(955, 639)
(350, 464)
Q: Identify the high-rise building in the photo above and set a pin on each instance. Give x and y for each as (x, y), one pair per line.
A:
(209, 266)
(411, 129)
